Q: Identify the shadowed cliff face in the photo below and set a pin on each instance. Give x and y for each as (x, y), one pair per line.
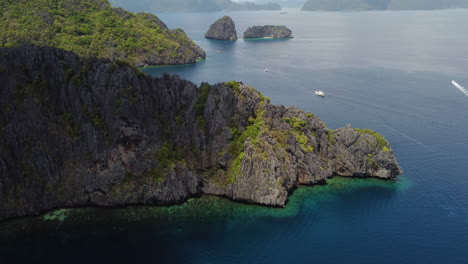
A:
(77, 132)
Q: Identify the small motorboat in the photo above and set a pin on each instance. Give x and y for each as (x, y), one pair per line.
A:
(320, 93)
(267, 70)
(459, 87)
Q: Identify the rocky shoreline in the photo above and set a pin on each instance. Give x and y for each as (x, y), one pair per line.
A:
(92, 132)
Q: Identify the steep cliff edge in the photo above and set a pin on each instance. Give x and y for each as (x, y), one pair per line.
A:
(92, 28)
(77, 132)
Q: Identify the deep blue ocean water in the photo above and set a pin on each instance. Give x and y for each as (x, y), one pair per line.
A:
(388, 71)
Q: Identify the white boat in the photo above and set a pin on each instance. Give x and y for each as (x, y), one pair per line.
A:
(320, 93)
(456, 84)
(267, 70)
(459, 87)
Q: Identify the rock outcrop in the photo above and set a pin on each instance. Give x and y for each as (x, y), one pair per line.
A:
(268, 32)
(79, 132)
(222, 29)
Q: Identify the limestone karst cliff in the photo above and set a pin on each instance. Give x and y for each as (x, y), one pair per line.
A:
(83, 131)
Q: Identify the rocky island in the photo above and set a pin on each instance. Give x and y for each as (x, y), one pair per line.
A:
(92, 28)
(80, 131)
(222, 29)
(268, 32)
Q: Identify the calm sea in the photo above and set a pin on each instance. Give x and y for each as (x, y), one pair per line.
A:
(388, 71)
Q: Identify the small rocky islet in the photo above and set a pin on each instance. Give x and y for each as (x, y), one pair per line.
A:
(222, 29)
(225, 29)
(268, 31)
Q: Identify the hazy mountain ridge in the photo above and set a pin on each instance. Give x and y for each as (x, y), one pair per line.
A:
(190, 5)
(282, 3)
(356, 5)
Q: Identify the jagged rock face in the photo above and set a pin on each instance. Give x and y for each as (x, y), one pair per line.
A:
(76, 132)
(268, 32)
(223, 29)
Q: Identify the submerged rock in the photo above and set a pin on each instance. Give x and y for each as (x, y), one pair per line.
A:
(79, 132)
(268, 32)
(223, 29)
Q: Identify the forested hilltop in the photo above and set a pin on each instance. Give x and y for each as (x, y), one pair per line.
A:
(92, 28)
(348, 5)
(190, 5)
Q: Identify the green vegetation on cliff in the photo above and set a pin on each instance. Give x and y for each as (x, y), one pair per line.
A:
(80, 132)
(240, 136)
(299, 125)
(381, 141)
(92, 28)
(166, 156)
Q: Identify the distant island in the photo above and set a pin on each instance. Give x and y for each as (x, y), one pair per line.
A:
(92, 28)
(362, 5)
(191, 5)
(282, 3)
(268, 31)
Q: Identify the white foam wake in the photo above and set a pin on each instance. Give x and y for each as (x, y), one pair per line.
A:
(459, 87)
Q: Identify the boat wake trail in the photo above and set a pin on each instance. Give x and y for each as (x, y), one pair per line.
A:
(351, 102)
(459, 87)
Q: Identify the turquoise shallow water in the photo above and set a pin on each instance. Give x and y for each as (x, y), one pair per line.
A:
(201, 223)
(388, 71)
